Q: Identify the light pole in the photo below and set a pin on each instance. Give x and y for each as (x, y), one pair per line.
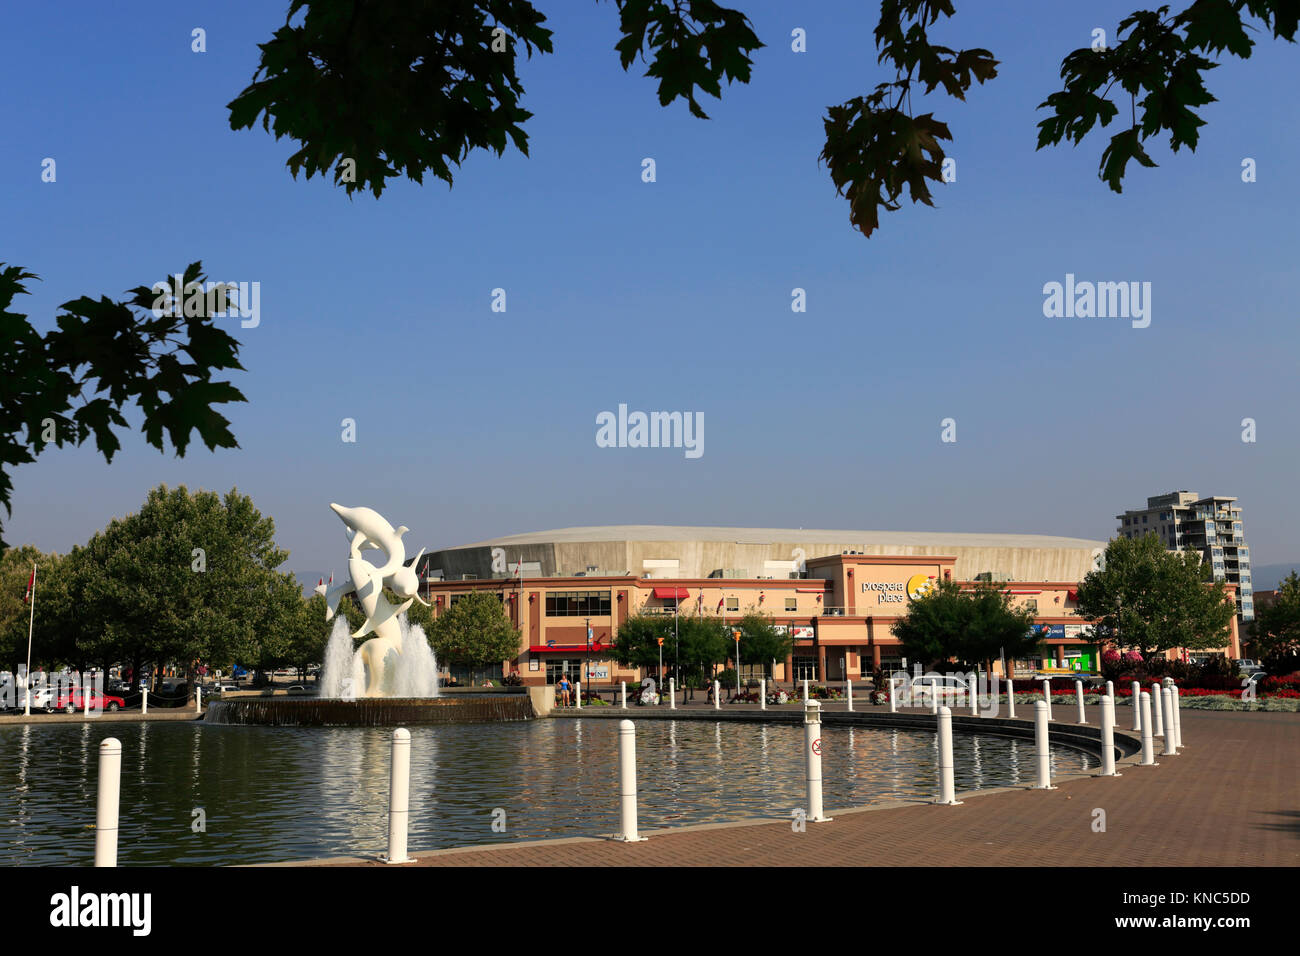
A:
(588, 674)
(736, 634)
(677, 666)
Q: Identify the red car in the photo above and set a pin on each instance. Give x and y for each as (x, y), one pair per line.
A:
(71, 703)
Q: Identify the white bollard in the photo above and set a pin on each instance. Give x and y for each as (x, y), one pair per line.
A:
(850, 683)
(1108, 737)
(974, 694)
(85, 697)
(107, 802)
(1042, 748)
(1078, 694)
(762, 693)
(577, 688)
(1110, 689)
(893, 696)
(1137, 708)
(1011, 698)
(717, 695)
(1178, 717)
(627, 782)
(1159, 707)
(934, 698)
(1148, 744)
(399, 797)
(624, 683)
(672, 693)
(947, 773)
(812, 720)
(1047, 697)
(144, 700)
(198, 700)
(805, 690)
(1166, 703)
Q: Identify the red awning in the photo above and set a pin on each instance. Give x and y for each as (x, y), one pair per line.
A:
(1072, 594)
(676, 594)
(567, 648)
(809, 590)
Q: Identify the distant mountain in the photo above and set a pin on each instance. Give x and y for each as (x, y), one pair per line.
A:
(1265, 577)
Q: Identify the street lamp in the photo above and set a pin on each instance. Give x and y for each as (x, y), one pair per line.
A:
(677, 668)
(587, 675)
(736, 634)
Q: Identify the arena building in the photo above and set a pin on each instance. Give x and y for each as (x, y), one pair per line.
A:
(837, 592)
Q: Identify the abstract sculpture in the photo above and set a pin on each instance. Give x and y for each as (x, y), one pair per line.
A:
(367, 529)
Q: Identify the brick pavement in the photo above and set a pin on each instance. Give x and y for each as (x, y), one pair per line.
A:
(1231, 798)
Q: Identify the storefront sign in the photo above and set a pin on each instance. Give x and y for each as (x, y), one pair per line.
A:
(803, 632)
(598, 672)
(897, 592)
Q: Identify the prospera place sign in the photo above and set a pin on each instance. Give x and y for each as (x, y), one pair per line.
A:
(896, 592)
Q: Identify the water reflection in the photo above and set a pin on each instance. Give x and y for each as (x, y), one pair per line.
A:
(297, 793)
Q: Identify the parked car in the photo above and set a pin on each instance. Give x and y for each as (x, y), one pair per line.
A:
(222, 688)
(71, 703)
(1247, 666)
(921, 688)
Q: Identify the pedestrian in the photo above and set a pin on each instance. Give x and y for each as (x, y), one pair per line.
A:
(564, 690)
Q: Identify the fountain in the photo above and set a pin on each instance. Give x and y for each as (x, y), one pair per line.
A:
(391, 678)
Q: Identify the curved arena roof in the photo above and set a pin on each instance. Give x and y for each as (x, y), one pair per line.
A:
(701, 552)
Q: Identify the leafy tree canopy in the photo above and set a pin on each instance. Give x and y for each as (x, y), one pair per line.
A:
(405, 87)
(74, 381)
(475, 631)
(970, 626)
(190, 577)
(1276, 628)
(1154, 600)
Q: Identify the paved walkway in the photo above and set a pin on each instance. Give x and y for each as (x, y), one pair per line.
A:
(1230, 798)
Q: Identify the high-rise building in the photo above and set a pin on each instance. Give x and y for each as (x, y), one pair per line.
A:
(1212, 526)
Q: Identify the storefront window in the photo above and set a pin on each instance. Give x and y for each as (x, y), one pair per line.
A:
(578, 604)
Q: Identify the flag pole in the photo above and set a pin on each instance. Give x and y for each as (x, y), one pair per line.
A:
(31, 620)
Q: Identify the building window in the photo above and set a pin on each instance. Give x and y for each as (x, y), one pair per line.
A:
(791, 604)
(557, 669)
(577, 604)
(1032, 604)
(733, 604)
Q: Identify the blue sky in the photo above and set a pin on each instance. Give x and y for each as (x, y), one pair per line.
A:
(673, 295)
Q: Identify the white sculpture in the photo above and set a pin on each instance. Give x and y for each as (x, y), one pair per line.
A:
(367, 529)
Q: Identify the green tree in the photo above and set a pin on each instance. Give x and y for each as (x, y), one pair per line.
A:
(760, 641)
(104, 356)
(1154, 600)
(15, 613)
(188, 578)
(1275, 632)
(392, 87)
(970, 626)
(637, 642)
(474, 632)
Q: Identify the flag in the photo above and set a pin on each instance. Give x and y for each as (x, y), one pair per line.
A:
(720, 600)
(31, 585)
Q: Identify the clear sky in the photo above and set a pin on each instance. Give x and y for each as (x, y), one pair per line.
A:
(673, 295)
